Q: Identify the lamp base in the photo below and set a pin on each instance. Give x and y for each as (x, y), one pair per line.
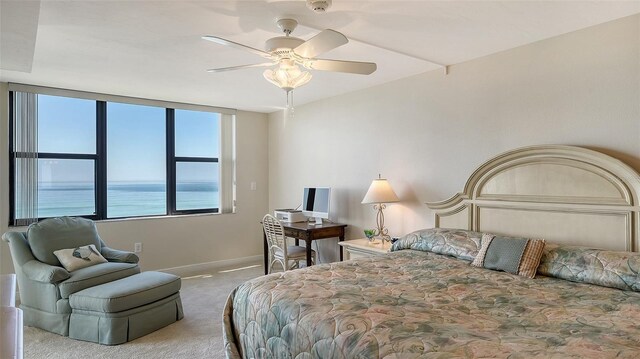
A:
(381, 231)
(383, 238)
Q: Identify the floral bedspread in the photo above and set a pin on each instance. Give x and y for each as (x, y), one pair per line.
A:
(412, 304)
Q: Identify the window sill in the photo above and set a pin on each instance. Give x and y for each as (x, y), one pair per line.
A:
(142, 218)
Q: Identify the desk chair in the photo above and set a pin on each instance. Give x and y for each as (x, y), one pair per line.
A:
(289, 257)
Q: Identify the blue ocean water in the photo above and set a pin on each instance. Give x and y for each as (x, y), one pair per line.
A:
(123, 199)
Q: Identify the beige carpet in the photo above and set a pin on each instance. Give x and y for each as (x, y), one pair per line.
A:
(198, 335)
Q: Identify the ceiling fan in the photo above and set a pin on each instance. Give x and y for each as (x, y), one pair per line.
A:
(288, 53)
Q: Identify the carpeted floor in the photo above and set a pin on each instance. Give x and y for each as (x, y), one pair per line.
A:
(198, 335)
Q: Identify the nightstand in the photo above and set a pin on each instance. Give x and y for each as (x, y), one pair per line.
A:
(358, 248)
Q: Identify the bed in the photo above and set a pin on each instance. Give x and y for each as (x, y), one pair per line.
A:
(425, 300)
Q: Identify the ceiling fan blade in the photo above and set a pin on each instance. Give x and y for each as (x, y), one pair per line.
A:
(223, 69)
(354, 67)
(221, 41)
(326, 40)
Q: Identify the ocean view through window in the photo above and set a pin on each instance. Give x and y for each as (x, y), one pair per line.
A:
(136, 166)
(130, 199)
(197, 148)
(107, 159)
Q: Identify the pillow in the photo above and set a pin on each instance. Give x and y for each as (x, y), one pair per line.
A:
(531, 258)
(458, 243)
(513, 255)
(613, 269)
(79, 257)
(49, 235)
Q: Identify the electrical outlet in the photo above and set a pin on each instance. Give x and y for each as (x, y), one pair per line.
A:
(137, 247)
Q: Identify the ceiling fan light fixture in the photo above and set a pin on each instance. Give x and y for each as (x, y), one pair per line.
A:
(287, 77)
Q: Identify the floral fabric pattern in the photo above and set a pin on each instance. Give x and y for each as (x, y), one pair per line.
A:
(457, 243)
(413, 304)
(596, 266)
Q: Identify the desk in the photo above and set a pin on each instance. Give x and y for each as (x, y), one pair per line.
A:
(307, 232)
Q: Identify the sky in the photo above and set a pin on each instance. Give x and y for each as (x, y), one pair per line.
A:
(135, 141)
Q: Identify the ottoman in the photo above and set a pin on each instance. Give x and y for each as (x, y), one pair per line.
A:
(125, 309)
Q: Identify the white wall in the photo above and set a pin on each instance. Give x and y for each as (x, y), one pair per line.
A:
(427, 133)
(184, 240)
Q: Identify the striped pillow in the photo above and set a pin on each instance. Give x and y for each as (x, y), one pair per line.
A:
(525, 260)
(531, 258)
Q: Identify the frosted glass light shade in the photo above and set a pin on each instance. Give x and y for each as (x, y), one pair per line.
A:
(380, 191)
(287, 77)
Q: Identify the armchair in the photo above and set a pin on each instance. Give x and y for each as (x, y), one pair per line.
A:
(44, 285)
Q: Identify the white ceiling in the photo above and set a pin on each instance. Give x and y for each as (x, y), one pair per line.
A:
(152, 49)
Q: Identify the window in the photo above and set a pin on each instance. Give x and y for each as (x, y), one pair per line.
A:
(113, 157)
(66, 156)
(196, 160)
(136, 167)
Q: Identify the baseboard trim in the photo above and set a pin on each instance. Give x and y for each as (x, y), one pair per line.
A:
(183, 271)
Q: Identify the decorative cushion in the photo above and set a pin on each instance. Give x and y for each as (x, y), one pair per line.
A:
(458, 243)
(50, 235)
(81, 257)
(514, 255)
(478, 261)
(126, 293)
(594, 266)
(531, 258)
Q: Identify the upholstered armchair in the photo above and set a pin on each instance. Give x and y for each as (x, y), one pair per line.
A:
(44, 284)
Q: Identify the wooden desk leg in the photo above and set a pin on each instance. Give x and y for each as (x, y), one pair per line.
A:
(341, 238)
(266, 254)
(308, 241)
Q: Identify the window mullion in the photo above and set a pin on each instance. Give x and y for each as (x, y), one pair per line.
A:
(12, 164)
(171, 162)
(196, 159)
(61, 156)
(101, 160)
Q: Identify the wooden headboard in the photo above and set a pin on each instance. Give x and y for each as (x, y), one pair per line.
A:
(565, 194)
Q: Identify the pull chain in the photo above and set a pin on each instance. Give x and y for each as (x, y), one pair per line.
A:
(289, 109)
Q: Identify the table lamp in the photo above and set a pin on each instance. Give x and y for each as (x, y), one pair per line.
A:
(379, 193)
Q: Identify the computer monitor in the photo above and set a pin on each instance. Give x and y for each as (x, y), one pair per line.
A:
(315, 203)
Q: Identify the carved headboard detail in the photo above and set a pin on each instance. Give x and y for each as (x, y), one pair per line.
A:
(565, 194)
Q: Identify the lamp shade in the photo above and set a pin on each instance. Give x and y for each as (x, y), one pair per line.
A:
(287, 76)
(380, 191)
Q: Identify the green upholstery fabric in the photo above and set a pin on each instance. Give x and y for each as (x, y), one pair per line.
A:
(33, 294)
(126, 293)
(20, 251)
(96, 275)
(43, 272)
(39, 295)
(54, 322)
(52, 234)
(120, 327)
(114, 255)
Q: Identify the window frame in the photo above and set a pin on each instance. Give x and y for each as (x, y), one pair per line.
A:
(100, 157)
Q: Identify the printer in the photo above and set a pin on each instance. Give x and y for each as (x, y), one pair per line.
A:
(289, 215)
